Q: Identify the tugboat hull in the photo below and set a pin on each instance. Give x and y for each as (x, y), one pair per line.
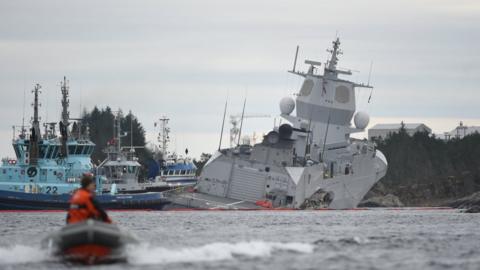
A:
(10, 200)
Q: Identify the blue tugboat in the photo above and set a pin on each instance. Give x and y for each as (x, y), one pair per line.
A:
(47, 167)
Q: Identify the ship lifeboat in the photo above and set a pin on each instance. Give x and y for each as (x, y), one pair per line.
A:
(90, 242)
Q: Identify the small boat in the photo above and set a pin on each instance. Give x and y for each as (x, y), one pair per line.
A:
(89, 242)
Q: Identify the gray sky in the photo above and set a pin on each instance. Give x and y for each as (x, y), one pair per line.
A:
(182, 58)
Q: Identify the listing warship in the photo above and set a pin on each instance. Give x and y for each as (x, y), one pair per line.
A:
(309, 161)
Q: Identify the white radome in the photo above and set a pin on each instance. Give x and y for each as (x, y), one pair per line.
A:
(361, 120)
(287, 105)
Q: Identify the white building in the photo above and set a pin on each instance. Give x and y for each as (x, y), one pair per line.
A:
(382, 131)
(461, 131)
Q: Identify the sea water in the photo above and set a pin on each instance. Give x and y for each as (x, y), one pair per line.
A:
(367, 239)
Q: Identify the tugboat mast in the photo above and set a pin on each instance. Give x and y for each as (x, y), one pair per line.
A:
(65, 101)
(117, 129)
(65, 117)
(35, 135)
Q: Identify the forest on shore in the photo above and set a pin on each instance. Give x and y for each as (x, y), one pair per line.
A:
(424, 170)
(101, 121)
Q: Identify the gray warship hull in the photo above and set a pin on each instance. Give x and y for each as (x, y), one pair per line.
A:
(246, 183)
(309, 161)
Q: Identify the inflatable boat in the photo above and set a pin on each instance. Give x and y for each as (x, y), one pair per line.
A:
(89, 242)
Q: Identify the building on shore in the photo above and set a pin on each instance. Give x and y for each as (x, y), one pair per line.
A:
(382, 131)
(461, 131)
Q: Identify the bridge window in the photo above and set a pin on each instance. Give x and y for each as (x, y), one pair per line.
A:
(55, 152)
(306, 87)
(182, 172)
(71, 149)
(17, 151)
(50, 151)
(79, 150)
(25, 147)
(108, 171)
(342, 94)
(42, 151)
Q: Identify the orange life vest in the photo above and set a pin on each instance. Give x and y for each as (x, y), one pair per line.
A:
(82, 207)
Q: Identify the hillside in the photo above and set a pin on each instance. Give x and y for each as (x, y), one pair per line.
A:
(424, 170)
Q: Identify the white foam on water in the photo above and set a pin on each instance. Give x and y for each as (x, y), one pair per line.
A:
(145, 254)
(20, 254)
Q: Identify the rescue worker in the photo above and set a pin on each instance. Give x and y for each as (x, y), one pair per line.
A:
(83, 205)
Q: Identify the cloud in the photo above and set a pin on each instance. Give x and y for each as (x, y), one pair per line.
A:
(182, 58)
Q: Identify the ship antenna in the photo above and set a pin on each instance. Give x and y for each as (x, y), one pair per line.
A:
(368, 83)
(118, 129)
(295, 61)
(65, 101)
(326, 134)
(65, 117)
(23, 116)
(35, 134)
(307, 144)
(223, 124)
(241, 122)
(131, 130)
(332, 64)
(163, 137)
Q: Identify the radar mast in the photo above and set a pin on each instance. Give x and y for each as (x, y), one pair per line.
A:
(35, 135)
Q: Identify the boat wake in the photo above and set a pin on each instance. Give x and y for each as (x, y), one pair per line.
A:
(145, 254)
(20, 254)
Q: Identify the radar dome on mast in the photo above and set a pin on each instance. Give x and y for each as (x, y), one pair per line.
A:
(287, 105)
(361, 120)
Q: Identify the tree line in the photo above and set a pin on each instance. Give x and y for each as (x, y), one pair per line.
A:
(426, 170)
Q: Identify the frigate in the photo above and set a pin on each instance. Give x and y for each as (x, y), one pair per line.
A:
(308, 161)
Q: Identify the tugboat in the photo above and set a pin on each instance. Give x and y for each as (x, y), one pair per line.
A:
(121, 167)
(47, 167)
(309, 161)
(171, 170)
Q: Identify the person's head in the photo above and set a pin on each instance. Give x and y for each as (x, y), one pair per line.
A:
(87, 182)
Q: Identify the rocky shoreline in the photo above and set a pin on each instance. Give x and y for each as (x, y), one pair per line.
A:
(470, 203)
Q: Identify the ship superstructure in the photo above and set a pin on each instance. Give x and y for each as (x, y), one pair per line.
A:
(308, 161)
(120, 170)
(170, 170)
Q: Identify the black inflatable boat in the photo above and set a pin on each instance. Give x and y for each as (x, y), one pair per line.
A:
(90, 242)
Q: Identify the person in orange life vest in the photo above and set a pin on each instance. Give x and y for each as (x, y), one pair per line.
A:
(83, 205)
